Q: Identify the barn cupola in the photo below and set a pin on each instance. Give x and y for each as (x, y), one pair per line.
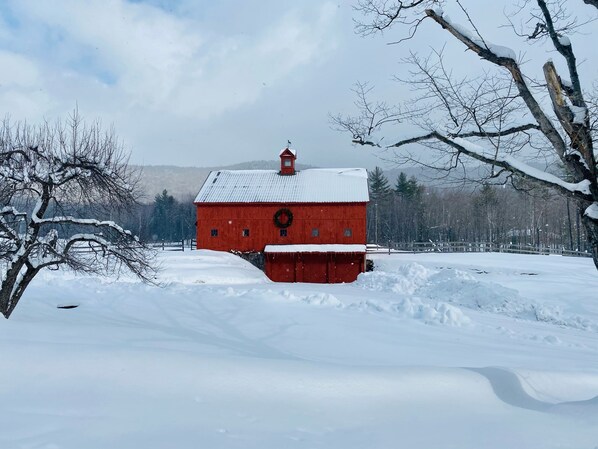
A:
(287, 161)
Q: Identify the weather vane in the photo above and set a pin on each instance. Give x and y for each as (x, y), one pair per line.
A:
(288, 143)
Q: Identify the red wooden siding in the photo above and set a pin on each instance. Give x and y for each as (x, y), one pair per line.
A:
(331, 220)
(287, 162)
(314, 267)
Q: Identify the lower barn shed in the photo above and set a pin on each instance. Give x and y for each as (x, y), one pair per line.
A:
(321, 264)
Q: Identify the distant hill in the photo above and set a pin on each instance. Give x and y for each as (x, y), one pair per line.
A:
(184, 182)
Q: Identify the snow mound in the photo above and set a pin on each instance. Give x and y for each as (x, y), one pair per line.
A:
(437, 296)
(317, 299)
(463, 289)
(404, 279)
(208, 267)
(412, 307)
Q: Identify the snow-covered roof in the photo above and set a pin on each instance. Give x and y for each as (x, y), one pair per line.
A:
(318, 185)
(332, 248)
(293, 152)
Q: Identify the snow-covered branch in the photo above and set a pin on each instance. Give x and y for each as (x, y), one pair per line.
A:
(593, 3)
(85, 222)
(480, 116)
(505, 57)
(580, 190)
(563, 45)
(10, 210)
(52, 168)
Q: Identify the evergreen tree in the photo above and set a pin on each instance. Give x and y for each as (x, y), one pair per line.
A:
(378, 184)
(165, 217)
(410, 209)
(407, 188)
(401, 186)
(413, 188)
(379, 208)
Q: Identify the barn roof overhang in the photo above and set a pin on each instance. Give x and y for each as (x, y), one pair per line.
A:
(311, 248)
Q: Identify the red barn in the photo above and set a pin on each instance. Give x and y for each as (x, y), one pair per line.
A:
(309, 224)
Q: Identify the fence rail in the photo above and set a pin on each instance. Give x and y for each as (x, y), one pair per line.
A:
(181, 245)
(471, 247)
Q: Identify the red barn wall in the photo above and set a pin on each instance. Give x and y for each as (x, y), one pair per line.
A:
(314, 267)
(331, 219)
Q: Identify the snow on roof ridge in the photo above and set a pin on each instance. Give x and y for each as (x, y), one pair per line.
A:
(293, 152)
(313, 248)
(340, 170)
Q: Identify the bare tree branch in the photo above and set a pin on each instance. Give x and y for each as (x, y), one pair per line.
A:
(49, 169)
(489, 110)
(575, 190)
(510, 64)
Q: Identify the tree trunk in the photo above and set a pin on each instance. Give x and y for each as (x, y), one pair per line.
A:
(13, 288)
(592, 236)
(570, 225)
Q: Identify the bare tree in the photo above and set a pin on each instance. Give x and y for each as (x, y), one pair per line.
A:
(53, 177)
(495, 119)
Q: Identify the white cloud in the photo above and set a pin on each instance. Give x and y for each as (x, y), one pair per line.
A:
(172, 84)
(142, 47)
(21, 94)
(157, 61)
(235, 71)
(17, 71)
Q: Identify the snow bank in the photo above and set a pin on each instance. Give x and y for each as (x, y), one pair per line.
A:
(405, 280)
(208, 267)
(221, 358)
(431, 288)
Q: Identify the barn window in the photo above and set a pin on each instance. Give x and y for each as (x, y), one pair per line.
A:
(283, 233)
(214, 232)
(245, 232)
(315, 232)
(348, 232)
(287, 162)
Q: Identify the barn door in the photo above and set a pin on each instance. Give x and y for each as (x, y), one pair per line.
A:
(315, 268)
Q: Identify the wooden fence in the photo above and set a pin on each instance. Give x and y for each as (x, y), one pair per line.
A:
(471, 247)
(181, 245)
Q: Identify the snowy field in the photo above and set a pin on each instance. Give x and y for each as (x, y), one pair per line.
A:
(428, 351)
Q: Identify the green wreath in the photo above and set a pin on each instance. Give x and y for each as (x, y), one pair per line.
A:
(280, 213)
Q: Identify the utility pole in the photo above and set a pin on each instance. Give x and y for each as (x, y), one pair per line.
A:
(376, 221)
(570, 225)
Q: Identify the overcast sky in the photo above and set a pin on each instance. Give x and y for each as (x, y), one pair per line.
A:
(201, 83)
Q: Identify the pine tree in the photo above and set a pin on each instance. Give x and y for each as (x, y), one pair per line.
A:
(379, 186)
(164, 219)
(407, 188)
(401, 186)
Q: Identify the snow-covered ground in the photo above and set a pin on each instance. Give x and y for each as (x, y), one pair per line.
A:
(428, 351)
